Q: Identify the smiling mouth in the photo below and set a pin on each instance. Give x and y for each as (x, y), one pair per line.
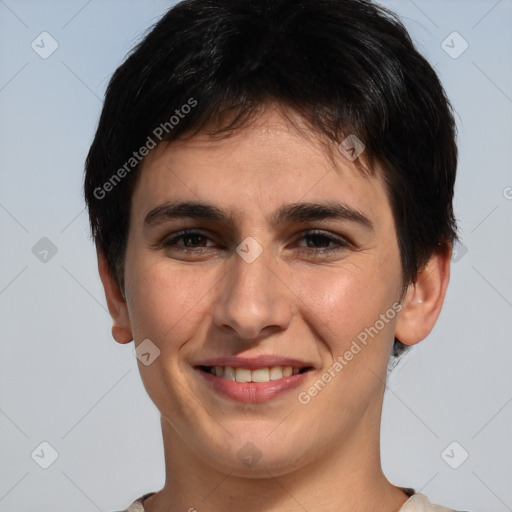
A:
(265, 374)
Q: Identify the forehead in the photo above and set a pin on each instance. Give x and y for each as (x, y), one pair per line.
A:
(266, 164)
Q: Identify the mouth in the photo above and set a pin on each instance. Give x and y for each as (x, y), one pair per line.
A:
(257, 384)
(247, 375)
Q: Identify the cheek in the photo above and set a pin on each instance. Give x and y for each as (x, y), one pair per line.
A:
(342, 303)
(351, 313)
(165, 300)
(166, 306)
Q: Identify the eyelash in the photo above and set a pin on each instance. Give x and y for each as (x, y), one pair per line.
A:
(342, 243)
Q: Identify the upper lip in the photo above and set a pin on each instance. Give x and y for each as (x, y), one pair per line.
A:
(253, 363)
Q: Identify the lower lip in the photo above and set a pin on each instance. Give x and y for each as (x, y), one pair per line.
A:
(254, 392)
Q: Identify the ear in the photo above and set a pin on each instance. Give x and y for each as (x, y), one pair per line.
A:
(121, 328)
(424, 299)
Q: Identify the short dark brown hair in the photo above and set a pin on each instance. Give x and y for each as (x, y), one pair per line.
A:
(346, 66)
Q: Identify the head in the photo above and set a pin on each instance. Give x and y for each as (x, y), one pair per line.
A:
(243, 109)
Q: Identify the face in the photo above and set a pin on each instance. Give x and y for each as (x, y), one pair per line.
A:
(274, 313)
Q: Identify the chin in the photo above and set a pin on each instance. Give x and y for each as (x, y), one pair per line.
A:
(259, 455)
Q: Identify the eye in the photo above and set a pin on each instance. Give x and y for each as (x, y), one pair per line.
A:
(322, 242)
(192, 240)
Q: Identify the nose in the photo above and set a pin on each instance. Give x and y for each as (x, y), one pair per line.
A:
(253, 300)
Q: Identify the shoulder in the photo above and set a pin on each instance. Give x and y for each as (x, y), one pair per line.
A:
(420, 503)
(137, 505)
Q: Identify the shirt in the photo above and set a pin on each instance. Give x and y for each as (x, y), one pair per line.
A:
(416, 503)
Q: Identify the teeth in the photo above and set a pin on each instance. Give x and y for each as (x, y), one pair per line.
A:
(229, 373)
(261, 375)
(276, 372)
(243, 375)
(258, 375)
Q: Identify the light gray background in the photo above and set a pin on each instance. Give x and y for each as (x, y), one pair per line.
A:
(64, 380)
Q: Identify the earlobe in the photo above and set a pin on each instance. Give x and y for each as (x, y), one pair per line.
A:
(121, 335)
(121, 328)
(424, 299)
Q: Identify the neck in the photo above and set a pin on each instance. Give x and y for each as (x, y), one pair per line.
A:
(346, 477)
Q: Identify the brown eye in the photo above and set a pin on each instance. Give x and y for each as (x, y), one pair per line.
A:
(191, 240)
(318, 241)
(324, 242)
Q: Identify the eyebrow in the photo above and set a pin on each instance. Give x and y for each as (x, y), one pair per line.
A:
(295, 212)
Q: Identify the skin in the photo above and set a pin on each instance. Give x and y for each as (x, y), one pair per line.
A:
(291, 301)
